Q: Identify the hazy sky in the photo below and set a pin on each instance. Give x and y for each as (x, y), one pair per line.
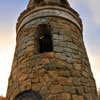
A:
(89, 11)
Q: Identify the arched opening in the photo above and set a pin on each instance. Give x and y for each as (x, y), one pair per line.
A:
(29, 95)
(38, 1)
(44, 38)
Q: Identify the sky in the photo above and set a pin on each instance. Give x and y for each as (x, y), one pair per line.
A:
(89, 11)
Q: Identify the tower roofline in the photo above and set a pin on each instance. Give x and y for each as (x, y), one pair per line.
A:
(32, 12)
(34, 3)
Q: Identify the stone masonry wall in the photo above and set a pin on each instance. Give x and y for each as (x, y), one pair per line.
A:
(64, 74)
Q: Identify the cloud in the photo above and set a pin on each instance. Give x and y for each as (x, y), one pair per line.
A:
(90, 14)
(92, 5)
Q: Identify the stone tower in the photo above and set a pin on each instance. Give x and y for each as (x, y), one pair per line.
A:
(50, 60)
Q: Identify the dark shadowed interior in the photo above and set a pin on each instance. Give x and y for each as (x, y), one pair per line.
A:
(44, 38)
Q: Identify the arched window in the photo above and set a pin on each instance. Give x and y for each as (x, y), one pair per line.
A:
(44, 38)
(38, 1)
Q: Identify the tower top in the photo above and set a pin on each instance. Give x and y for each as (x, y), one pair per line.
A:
(44, 8)
(36, 3)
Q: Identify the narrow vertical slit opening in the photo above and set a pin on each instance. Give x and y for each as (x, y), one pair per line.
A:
(44, 38)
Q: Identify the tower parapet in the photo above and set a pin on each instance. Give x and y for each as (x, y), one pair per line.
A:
(36, 3)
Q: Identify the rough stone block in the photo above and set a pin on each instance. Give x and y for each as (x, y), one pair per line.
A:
(62, 44)
(45, 61)
(87, 89)
(35, 76)
(65, 81)
(23, 77)
(60, 56)
(70, 60)
(64, 73)
(85, 74)
(54, 89)
(68, 54)
(42, 72)
(36, 87)
(72, 46)
(58, 37)
(52, 97)
(67, 26)
(29, 48)
(76, 97)
(58, 49)
(49, 55)
(50, 67)
(75, 73)
(68, 66)
(23, 46)
(21, 53)
(29, 43)
(24, 61)
(68, 49)
(59, 62)
(77, 66)
(64, 96)
(80, 90)
(84, 80)
(53, 74)
(75, 56)
(44, 92)
(44, 79)
(15, 93)
(67, 38)
(69, 89)
(88, 97)
(56, 42)
(76, 81)
(26, 39)
(26, 85)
